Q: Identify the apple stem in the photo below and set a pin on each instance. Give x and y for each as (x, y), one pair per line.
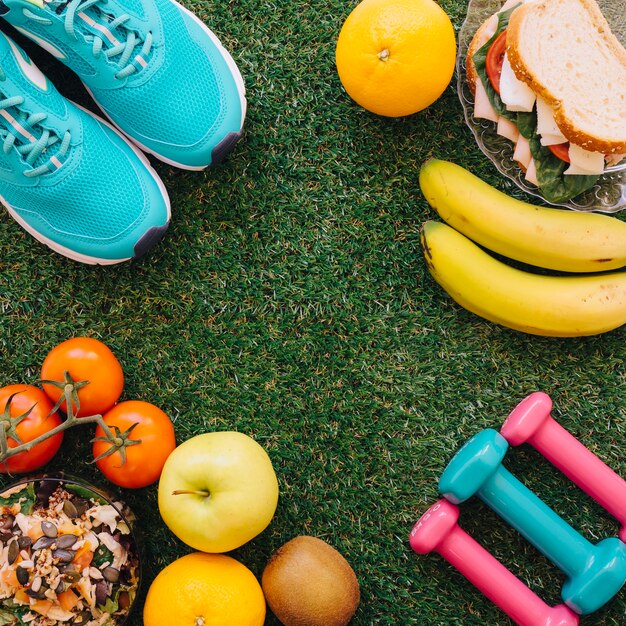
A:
(192, 492)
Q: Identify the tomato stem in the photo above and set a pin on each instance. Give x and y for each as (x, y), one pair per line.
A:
(70, 387)
(119, 442)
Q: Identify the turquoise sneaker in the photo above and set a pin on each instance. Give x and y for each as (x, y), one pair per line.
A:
(67, 177)
(158, 73)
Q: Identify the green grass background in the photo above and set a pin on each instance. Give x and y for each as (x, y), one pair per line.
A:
(289, 300)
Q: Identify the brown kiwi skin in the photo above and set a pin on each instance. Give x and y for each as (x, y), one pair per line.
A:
(308, 583)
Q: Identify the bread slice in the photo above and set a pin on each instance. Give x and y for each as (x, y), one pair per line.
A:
(480, 38)
(565, 51)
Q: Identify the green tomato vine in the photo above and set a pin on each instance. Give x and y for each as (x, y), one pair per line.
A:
(8, 425)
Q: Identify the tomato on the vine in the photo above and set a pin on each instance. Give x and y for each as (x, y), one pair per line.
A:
(147, 437)
(34, 408)
(84, 359)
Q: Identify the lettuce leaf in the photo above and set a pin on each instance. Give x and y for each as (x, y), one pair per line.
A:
(85, 493)
(25, 497)
(102, 555)
(555, 186)
(7, 618)
(11, 614)
(480, 62)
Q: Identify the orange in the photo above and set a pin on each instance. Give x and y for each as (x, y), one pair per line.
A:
(202, 589)
(396, 57)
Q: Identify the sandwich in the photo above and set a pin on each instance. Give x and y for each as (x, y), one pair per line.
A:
(552, 76)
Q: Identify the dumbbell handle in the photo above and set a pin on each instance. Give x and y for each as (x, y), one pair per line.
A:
(566, 453)
(537, 522)
(492, 578)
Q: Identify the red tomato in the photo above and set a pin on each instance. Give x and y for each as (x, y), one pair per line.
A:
(145, 460)
(85, 359)
(495, 59)
(36, 423)
(561, 150)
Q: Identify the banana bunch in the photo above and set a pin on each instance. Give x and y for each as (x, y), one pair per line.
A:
(585, 302)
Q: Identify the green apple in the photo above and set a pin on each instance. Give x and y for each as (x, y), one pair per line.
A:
(217, 491)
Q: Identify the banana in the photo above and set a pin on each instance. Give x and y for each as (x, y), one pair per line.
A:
(553, 306)
(556, 239)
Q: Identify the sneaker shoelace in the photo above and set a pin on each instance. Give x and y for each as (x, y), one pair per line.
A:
(109, 35)
(26, 133)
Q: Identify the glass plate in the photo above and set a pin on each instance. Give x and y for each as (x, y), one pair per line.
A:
(609, 193)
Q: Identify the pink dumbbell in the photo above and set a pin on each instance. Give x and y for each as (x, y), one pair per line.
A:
(531, 422)
(438, 530)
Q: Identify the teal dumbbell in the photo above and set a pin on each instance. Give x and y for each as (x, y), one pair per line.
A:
(595, 573)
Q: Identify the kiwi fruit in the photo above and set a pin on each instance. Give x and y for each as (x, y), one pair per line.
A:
(307, 582)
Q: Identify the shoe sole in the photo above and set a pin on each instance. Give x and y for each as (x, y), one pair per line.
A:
(226, 145)
(148, 240)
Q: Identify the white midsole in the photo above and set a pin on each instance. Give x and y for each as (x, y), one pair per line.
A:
(72, 254)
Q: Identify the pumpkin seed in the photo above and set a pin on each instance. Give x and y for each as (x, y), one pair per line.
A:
(49, 529)
(66, 541)
(111, 574)
(60, 588)
(22, 575)
(43, 542)
(70, 510)
(63, 555)
(13, 553)
(38, 595)
(24, 541)
(71, 575)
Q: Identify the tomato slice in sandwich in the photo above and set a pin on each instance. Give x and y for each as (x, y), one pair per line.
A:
(495, 59)
(561, 150)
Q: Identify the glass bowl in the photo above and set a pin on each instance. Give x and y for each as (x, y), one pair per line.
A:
(608, 195)
(69, 553)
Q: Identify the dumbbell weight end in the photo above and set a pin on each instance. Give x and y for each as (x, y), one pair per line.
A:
(438, 530)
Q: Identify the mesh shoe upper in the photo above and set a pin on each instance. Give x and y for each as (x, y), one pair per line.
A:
(86, 192)
(154, 68)
(174, 86)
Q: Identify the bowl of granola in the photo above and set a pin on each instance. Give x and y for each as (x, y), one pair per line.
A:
(69, 555)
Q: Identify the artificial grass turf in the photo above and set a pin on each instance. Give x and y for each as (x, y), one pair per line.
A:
(289, 300)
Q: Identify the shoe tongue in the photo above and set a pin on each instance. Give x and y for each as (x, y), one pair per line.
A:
(95, 22)
(56, 6)
(92, 21)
